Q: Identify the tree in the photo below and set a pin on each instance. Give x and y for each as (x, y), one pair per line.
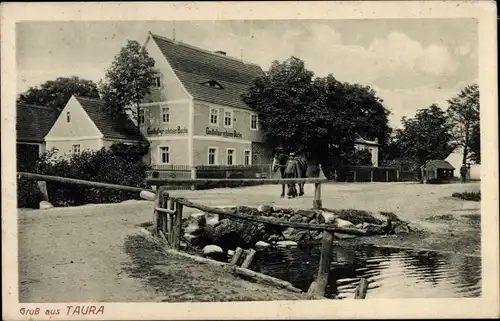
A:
(56, 93)
(128, 80)
(475, 144)
(287, 91)
(133, 153)
(322, 117)
(361, 157)
(463, 113)
(425, 136)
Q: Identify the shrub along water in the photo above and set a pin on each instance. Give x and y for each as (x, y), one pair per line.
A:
(121, 164)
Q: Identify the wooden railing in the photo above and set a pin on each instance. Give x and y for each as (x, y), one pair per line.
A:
(42, 180)
(167, 218)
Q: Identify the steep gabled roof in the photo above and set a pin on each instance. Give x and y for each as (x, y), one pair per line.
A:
(111, 127)
(34, 122)
(195, 67)
(440, 164)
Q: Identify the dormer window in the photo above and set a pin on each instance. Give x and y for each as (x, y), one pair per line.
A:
(212, 84)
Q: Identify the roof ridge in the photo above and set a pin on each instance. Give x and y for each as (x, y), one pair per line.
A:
(180, 43)
(34, 106)
(89, 98)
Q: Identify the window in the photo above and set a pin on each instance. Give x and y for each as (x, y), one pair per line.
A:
(228, 118)
(212, 84)
(142, 116)
(75, 149)
(165, 155)
(214, 115)
(248, 157)
(68, 117)
(212, 156)
(230, 156)
(165, 114)
(254, 122)
(156, 81)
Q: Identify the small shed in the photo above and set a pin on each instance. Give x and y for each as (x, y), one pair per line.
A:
(437, 171)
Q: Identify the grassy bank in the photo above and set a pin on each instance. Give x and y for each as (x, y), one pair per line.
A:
(460, 235)
(179, 279)
(464, 243)
(468, 196)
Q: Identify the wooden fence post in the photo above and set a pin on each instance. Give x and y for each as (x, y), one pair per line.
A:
(156, 215)
(354, 179)
(248, 259)
(42, 186)
(317, 203)
(193, 176)
(236, 256)
(386, 175)
(361, 289)
(371, 175)
(318, 287)
(171, 205)
(45, 203)
(164, 218)
(397, 175)
(177, 226)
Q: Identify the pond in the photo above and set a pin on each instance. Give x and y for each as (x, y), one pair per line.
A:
(391, 273)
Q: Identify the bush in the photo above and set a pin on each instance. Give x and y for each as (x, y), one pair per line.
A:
(28, 195)
(468, 196)
(107, 166)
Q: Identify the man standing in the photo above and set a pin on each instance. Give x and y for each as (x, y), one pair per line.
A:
(291, 172)
(463, 173)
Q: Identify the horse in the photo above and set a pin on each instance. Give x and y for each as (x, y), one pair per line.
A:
(291, 167)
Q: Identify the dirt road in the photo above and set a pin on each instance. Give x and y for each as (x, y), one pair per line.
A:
(77, 255)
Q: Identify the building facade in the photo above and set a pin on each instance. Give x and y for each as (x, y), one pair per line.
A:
(194, 114)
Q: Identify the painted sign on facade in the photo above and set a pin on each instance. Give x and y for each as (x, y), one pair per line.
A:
(226, 133)
(167, 131)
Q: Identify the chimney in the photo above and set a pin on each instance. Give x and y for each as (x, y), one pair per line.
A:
(220, 52)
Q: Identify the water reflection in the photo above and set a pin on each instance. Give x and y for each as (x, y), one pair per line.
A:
(392, 273)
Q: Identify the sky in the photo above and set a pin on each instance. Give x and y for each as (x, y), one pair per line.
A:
(411, 63)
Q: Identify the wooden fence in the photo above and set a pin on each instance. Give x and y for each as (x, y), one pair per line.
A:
(342, 174)
(167, 221)
(173, 172)
(374, 174)
(168, 217)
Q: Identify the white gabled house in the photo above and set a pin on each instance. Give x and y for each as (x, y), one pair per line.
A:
(84, 125)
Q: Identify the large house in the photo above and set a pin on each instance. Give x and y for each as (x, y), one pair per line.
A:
(194, 114)
(84, 125)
